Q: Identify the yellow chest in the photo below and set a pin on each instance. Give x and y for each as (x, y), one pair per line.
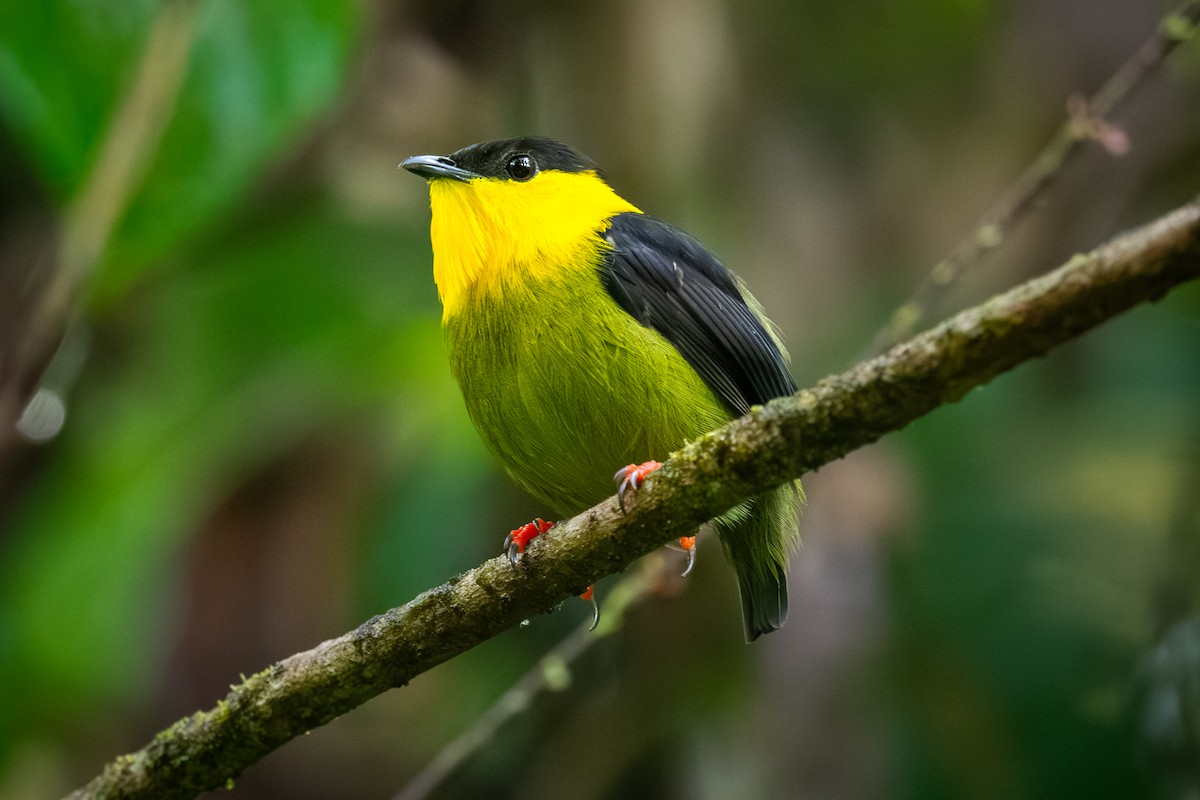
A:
(490, 235)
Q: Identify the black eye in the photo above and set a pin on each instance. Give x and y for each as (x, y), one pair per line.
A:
(521, 167)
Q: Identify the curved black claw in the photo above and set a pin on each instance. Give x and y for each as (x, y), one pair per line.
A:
(691, 554)
(631, 477)
(590, 596)
(621, 478)
(518, 538)
(686, 544)
(595, 612)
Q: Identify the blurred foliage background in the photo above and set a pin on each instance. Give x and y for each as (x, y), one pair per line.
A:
(262, 444)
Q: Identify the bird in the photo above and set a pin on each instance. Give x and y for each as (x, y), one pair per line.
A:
(585, 333)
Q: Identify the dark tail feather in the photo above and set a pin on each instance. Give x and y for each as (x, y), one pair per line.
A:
(764, 603)
(758, 537)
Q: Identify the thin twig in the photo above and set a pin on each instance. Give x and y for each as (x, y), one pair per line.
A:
(755, 453)
(1087, 121)
(129, 145)
(551, 673)
(130, 142)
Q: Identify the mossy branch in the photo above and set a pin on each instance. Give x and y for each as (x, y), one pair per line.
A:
(1088, 120)
(768, 447)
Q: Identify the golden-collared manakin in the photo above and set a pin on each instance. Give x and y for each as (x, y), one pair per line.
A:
(586, 335)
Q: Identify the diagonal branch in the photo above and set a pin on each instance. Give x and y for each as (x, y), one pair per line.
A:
(766, 448)
(1087, 120)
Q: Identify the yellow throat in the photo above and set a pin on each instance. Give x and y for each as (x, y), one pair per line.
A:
(490, 233)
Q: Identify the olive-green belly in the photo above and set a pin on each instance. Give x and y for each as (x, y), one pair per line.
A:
(565, 388)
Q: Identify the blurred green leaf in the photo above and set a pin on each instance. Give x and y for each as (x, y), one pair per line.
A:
(62, 66)
(258, 73)
(1020, 609)
(251, 347)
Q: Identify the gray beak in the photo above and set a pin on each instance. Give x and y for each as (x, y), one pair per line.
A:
(434, 167)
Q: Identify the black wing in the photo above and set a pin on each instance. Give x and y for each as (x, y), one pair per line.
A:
(666, 280)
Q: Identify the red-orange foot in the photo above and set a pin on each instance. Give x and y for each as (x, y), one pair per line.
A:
(590, 597)
(516, 541)
(688, 543)
(631, 477)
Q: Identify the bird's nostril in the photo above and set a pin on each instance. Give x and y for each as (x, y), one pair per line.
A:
(449, 162)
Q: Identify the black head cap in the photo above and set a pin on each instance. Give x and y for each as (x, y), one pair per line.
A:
(490, 159)
(510, 159)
